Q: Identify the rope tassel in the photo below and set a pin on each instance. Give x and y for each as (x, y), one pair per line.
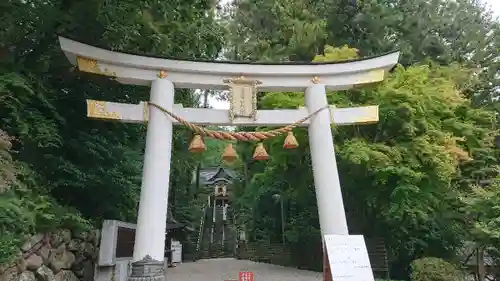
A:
(229, 154)
(290, 141)
(197, 145)
(260, 153)
(240, 136)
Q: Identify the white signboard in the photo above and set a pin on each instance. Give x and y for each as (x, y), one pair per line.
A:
(348, 258)
(176, 251)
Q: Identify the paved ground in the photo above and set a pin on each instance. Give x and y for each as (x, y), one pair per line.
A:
(227, 269)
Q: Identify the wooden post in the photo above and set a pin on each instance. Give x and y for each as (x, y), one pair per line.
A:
(327, 273)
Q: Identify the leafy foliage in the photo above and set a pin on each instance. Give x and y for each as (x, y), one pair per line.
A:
(482, 211)
(435, 269)
(8, 170)
(24, 210)
(62, 158)
(400, 173)
(402, 178)
(461, 31)
(275, 30)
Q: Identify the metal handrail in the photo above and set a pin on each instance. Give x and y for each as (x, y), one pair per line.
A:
(200, 232)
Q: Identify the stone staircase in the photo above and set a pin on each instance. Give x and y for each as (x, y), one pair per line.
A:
(224, 235)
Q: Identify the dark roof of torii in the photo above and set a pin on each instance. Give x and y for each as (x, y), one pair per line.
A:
(103, 46)
(211, 175)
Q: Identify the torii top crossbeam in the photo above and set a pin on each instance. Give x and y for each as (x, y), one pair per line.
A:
(140, 70)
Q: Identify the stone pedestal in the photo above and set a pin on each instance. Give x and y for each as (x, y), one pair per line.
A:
(147, 269)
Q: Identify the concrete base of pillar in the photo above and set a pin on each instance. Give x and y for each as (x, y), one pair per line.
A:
(147, 269)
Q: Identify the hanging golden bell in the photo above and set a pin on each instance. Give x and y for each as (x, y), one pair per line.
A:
(197, 145)
(229, 154)
(260, 153)
(290, 141)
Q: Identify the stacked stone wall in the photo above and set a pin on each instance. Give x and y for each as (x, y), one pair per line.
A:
(57, 256)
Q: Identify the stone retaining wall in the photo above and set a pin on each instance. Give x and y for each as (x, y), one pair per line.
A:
(57, 256)
(261, 252)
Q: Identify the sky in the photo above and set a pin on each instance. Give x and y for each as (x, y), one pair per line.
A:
(494, 4)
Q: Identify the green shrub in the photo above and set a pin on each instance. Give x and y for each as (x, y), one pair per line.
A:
(7, 169)
(435, 269)
(25, 209)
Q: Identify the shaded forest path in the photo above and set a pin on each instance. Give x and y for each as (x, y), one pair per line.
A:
(227, 269)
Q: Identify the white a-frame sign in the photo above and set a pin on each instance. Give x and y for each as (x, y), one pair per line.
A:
(164, 75)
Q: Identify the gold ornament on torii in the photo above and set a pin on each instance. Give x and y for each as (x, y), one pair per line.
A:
(242, 97)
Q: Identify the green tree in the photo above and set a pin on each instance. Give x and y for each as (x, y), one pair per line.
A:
(461, 31)
(399, 173)
(274, 30)
(445, 31)
(93, 166)
(482, 211)
(437, 145)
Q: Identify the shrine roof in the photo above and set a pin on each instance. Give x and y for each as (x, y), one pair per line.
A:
(211, 175)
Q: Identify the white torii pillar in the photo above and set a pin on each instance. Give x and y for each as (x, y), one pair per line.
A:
(150, 234)
(331, 212)
(332, 219)
(149, 246)
(313, 78)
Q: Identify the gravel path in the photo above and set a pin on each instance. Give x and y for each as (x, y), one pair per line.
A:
(227, 269)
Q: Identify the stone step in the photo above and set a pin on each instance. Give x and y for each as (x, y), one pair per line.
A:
(207, 250)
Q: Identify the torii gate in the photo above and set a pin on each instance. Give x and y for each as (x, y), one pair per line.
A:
(163, 75)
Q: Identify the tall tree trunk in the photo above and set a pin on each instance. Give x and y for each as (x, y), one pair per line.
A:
(206, 93)
(481, 271)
